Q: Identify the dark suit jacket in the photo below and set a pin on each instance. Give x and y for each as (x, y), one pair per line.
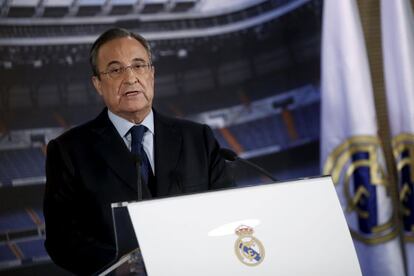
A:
(89, 167)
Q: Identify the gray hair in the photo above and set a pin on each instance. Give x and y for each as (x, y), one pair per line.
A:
(110, 35)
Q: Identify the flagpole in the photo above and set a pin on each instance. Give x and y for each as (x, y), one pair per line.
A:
(371, 25)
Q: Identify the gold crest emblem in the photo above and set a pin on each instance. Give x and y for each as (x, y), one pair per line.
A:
(249, 250)
(403, 148)
(357, 169)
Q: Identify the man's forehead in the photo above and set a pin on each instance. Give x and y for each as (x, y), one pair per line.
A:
(121, 50)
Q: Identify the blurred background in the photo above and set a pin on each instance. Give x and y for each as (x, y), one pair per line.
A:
(248, 68)
(251, 69)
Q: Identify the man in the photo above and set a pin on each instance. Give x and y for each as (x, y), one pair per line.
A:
(90, 166)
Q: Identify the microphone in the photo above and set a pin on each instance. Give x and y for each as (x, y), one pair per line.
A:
(137, 162)
(230, 155)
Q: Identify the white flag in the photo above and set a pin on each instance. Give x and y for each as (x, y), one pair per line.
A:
(398, 51)
(350, 149)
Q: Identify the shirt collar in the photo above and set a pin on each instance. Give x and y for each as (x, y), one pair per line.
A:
(123, 126)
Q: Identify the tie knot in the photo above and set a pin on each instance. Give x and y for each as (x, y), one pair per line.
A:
(137, 133)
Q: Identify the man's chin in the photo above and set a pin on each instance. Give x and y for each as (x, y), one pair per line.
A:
(134, 113)
(134, 106)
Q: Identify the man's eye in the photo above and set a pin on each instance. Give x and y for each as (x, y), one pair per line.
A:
(138, 66)
(115, 70)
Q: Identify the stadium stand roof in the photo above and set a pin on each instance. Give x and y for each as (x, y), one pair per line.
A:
(69, 30)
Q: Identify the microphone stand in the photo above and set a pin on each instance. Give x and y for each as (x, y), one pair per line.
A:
(230, 155)
(137, 162)
(260, 169)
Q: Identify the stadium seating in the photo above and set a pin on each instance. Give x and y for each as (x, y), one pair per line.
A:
(33, 250)
(26, 165)
(25, 252)
(271, 131)
(122, 7)
(23, 8)
(82, 8)
(90, 7)
(56, 8)
(221, 140)
(16, 221)
(19, 166)
(47, 87)
(154, 6)
(21, 237)
(183, 5)
(307, 120)
(7, 257)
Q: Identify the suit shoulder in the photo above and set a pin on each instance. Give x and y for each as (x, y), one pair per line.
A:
(76, 133)
(181, 123)
(84, 130)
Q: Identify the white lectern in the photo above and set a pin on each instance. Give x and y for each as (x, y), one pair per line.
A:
(290, 228)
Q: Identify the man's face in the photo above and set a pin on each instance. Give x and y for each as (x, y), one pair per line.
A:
(130, 94)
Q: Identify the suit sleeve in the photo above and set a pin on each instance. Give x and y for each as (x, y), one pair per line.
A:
(67, 243)
(219, 174)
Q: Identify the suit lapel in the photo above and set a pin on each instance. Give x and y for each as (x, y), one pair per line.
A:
(110, 146)
(167, 145)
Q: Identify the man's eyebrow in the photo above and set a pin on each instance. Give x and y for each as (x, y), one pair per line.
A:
(139, 59)
(113, 62)
(119, 63)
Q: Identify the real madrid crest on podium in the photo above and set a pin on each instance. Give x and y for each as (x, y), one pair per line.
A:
(249, 249)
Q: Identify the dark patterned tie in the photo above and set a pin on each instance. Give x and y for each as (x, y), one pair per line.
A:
(137, 134)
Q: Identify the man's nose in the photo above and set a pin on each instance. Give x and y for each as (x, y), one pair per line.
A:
(130, 76)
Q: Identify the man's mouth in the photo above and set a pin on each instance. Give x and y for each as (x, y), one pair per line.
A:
(132, 93)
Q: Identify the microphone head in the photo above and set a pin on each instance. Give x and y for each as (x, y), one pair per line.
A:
(228, 154)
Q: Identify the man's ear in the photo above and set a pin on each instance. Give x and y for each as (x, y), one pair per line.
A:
(97, 83)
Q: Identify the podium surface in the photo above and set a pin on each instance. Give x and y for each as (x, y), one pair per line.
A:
(290, 228)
